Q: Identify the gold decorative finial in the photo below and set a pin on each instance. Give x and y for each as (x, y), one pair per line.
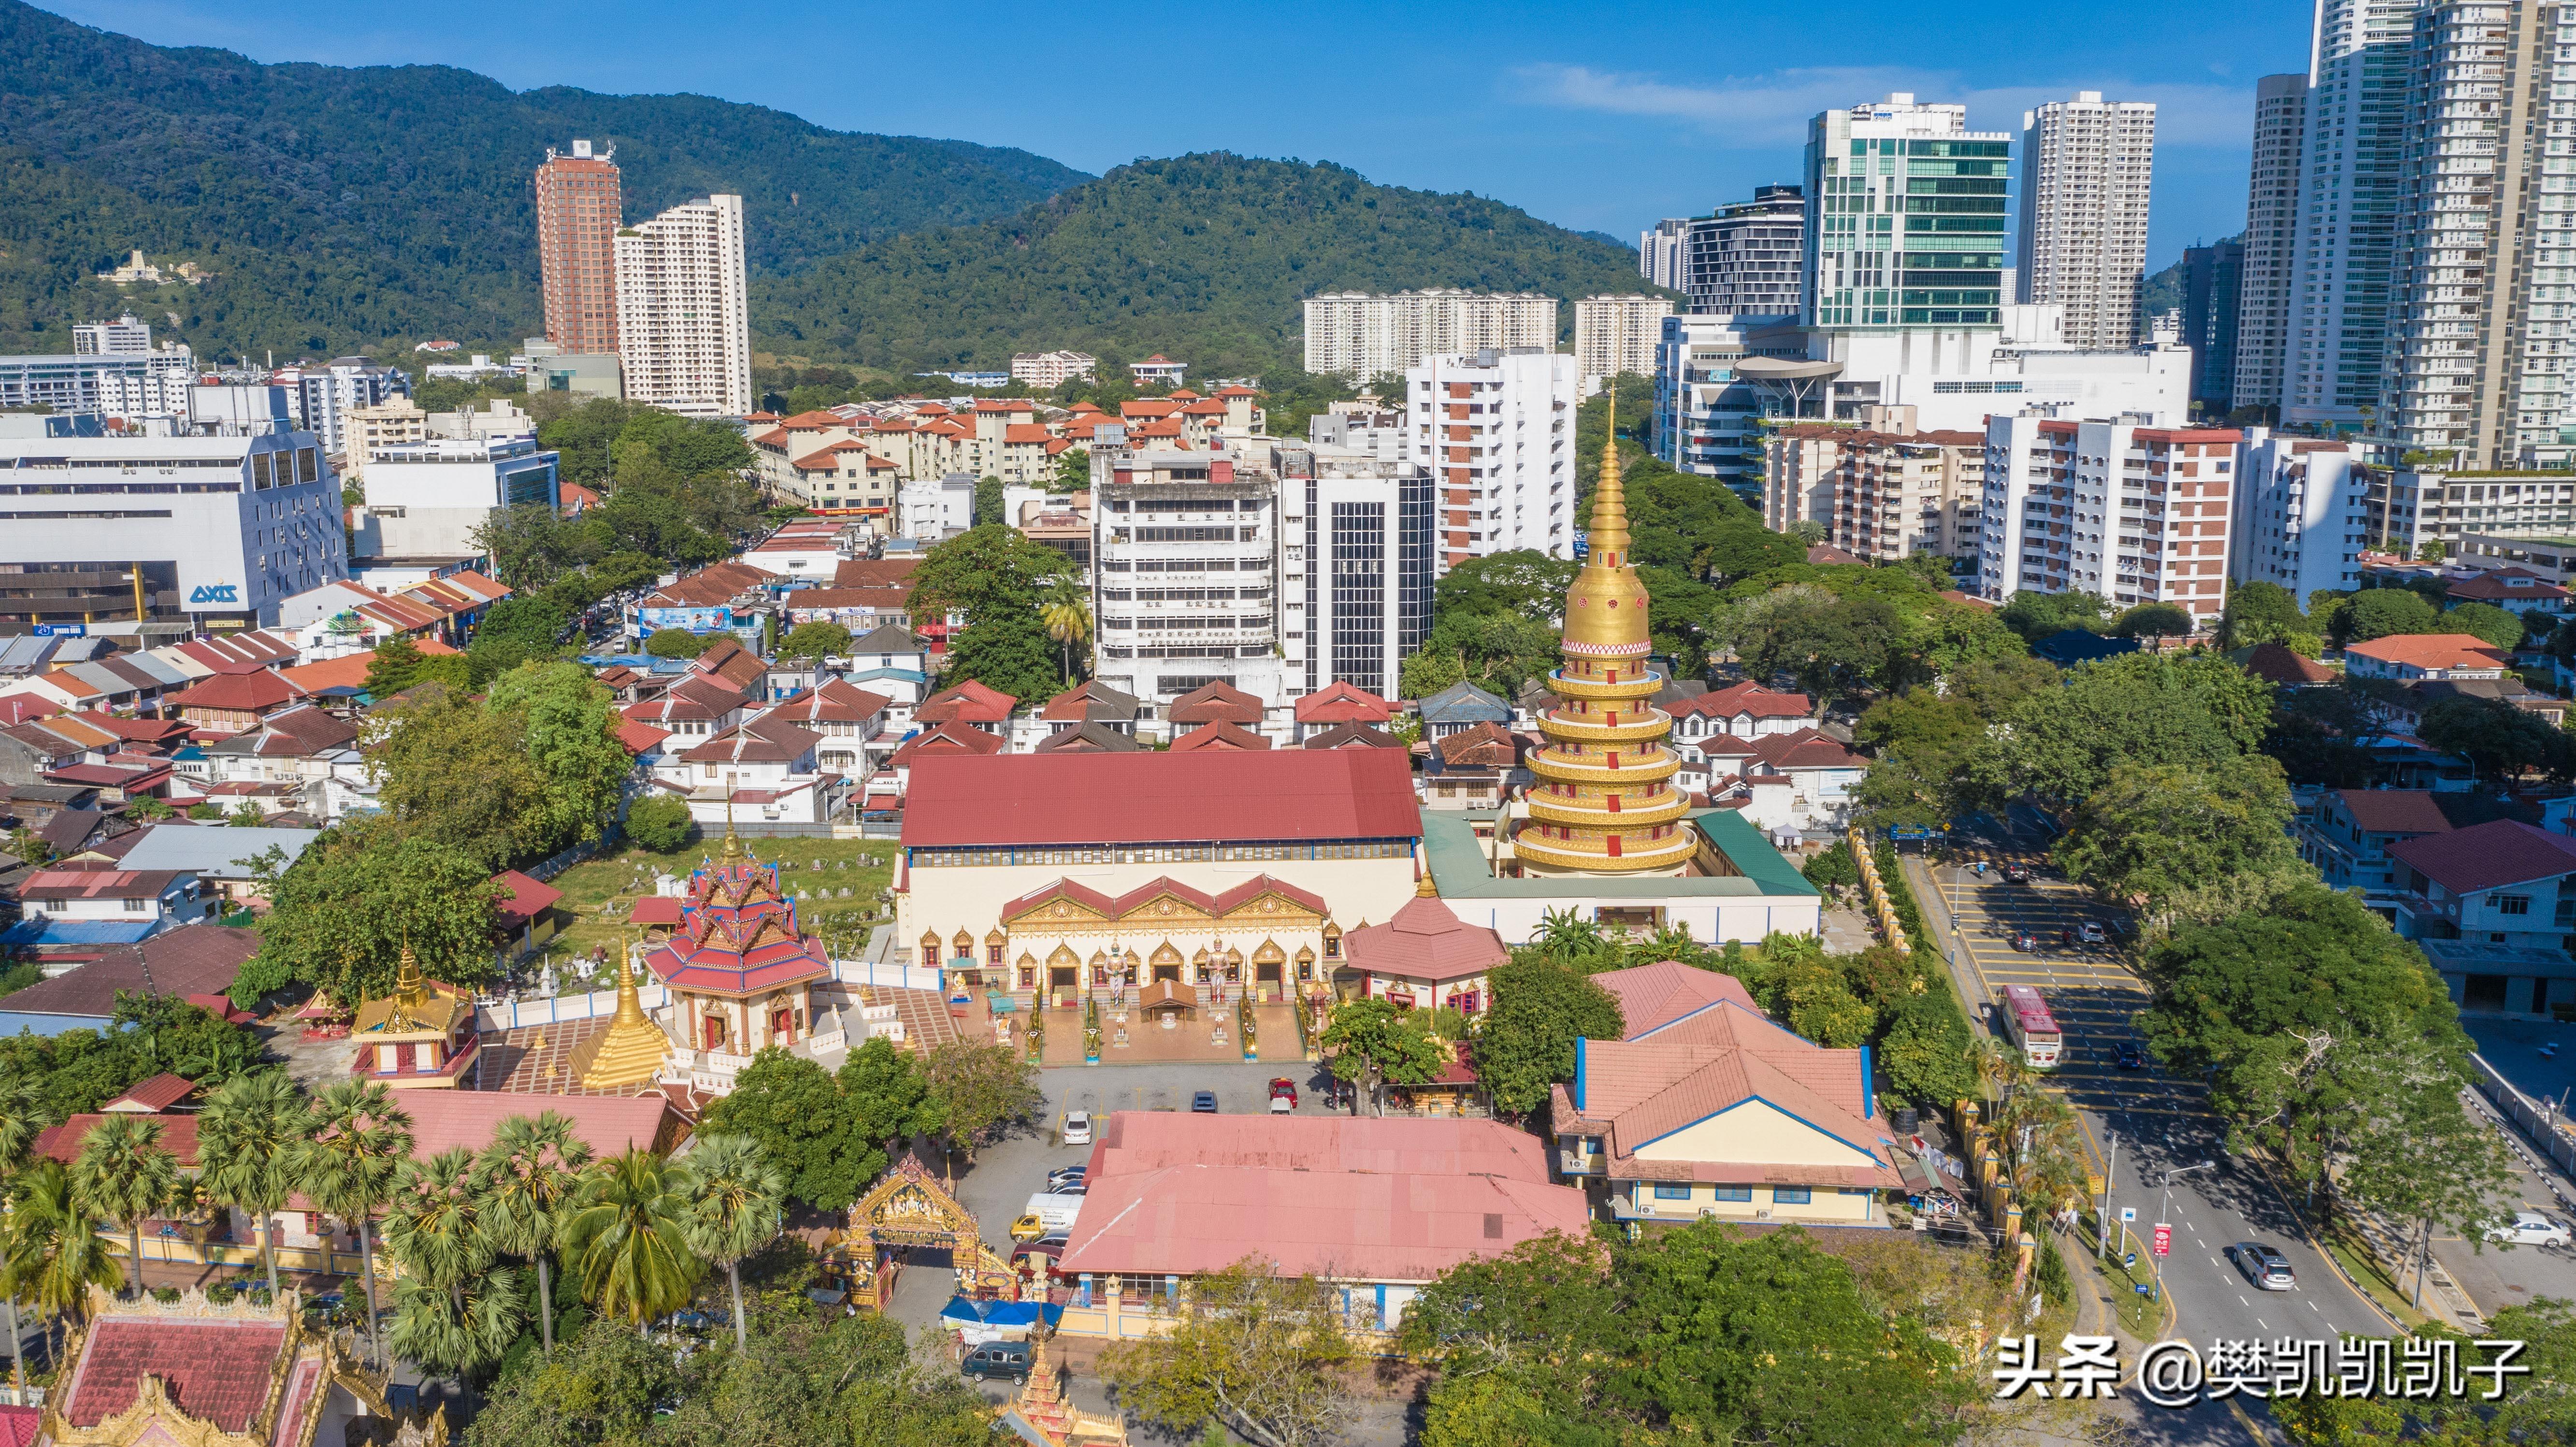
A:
(733, 851)
(1426, 887)
(630, 1005)
(411, 990)
(630, 1051)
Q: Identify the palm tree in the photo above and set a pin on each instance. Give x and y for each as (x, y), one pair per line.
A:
(434, 1222)
(460, 1328)
(21, 1114)
(360, 1141)
(627, 1237)
(1567, 939)
(123, 1174)
(527, 1176)
(735, 1209)
(1998, 1064)
(52, 1250)
(247, 1139)
(1066, 611)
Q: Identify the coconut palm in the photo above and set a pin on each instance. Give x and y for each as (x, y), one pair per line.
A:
(360, 1141)
(735, 1196)
(1066, 612)
(247, 1139)
(21, 1116)
(52, 1252)
(627, 1237)
(527, 1176)
(1998, 1065)
(124, 1174)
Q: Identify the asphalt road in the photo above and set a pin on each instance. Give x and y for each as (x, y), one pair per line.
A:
(2162, 1125)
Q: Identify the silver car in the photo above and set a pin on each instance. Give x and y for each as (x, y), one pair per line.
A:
(2527, 1227)
(2263, 1265)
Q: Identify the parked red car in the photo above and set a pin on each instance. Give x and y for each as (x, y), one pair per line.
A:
(1283, 1089)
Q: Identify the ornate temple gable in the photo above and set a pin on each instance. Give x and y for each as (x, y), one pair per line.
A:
(1162, 903)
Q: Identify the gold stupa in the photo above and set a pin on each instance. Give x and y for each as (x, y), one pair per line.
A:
(630, 1051)
(1604, 802)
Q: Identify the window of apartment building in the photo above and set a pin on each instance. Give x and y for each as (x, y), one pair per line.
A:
(1672, 1190)
(1791, 1195)
(2513, 904)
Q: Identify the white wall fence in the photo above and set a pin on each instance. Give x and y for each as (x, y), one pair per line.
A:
(2540, 1124)
(492, 1019)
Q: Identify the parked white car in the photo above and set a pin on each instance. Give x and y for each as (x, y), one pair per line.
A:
(2532, 1228)
(1077, 1127)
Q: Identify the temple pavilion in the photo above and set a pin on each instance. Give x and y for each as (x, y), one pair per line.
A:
(739, 968)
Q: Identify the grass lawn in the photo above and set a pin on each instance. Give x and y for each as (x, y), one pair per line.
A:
(2363, 1265)
(615, 882)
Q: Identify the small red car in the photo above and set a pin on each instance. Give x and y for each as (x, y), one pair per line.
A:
(1283, 1089)
(2026, 942)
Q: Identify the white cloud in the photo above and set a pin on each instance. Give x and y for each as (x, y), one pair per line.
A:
(1765, 111)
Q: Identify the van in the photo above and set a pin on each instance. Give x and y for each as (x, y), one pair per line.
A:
(996, 1359)
(1053, 1211)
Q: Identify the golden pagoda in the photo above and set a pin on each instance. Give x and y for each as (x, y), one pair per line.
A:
(421, 1036)
(1604, 802)
(630, 1051)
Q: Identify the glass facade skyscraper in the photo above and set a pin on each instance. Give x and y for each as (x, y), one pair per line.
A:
(1907, 217)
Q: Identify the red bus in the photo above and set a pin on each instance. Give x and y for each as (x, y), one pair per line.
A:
(2032, 1027)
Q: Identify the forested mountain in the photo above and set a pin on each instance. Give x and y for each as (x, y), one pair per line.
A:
(343, 207)
(1203, 257)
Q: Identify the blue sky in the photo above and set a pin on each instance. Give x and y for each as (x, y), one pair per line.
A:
(1599, 117)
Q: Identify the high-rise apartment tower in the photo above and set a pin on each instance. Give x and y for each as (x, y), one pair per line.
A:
(683, 312)
(2270, 268)
(2086, 165)
(577, 218)
(1906, 211)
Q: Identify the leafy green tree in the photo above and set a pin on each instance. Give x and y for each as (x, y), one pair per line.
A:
(342, 913)
(1499, 652)
(1831, 646)
(2498, 738)
(2417, 1156)
(531, 545)
(524, 1179)
(567, 725)
(660, 823)
(531, 621)
(1821, 1006)
(1072, 471)
(988, 503)
(2138, 709)
(1526, 1043)
(455, 773)
(2195, 841)
(1517, 1338)
(2043, 615)
(2386, 612)
(1523, 583)
(890, 1097)
(361, 1141)
(805, 1125)
(2153, 620)
(674, 643)
(21, 1117)
(816, 640)
(53, 1250)
(627, 1237)
(1259, 1353)
(124, 1174)
(2259, 612)
(976, 1089)
(1371, 1044)
(247, 1140)
(994, 580)
(1924, 1057)
(735, 1209)
(603, 1388)
(1007, 652)
(2487, 622)
(393, 667)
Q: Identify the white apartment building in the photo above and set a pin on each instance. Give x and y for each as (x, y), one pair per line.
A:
(1617, 334)
(319, 398)
(933, 508)
(1748, 259)
(220, 528)
(2353, 153)
(1707, 419)
(683, 310)
(1048, 370)
(1660, 250)
(1954, 378)
(119, 381)
(1364, 335)
(1883, 490)
(2408, 508)
(1496, 430)
(1367, 424)
(2267, 282)
(123, 337)
(1356, 565)
(2131, 513)
(2086, 166)
(1876, 259)
(2302, 514)
(427, 499)
(2480, 348)
(1186, 582)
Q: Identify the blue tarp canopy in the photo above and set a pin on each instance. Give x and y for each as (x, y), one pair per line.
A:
(41, 930)
(1021, 1314)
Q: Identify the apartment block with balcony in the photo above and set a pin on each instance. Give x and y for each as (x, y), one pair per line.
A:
(2347, 834)
(2494, 908)
(2134, 514)
(2086, 165)
(1707, 418)
(1186, 585)
(1884, 492)
(1357, 334)
(2302, 514)
(1355, 568)
(1496, 429)
(1614, 335)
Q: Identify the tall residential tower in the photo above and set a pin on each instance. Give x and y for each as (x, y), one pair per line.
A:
(2352, 154)
(2268, 280)
(1907, 216)
(577, 218)
(2086, 166)
(683, 310)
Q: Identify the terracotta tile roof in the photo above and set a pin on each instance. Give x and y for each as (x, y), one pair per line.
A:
(883, 600)
(688, 701)
(968, 702)
(215, 1370)
(2507, 585)
(2434, 650)
(946, 739)
(527, 898)
(1209, 408)
(2274, 663)
(1220, 736)
(1168, 428)
(1088, 700)
(2483, 856)
(156, 1094)
(1026, 432)
(1088, 737)
(63, 1142)
(1633, 1093)
(1740, 699)
(253, 692)
(1407, 1214)
(764, 740)
(729, 663)
(875, 572)
(1425, 941)
(639, 738)
(1486, 745)
(1653, 996)
(606, 1123)
(1157, 796)
(1215, 702)
(1804, 749)
(18, 708)
(347, 671)
(1148, 407)
(1224, 902)
(2394, 811)
(1341, 701)
(832, 701)
(810, 421)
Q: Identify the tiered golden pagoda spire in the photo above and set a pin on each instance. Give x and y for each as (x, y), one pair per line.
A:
(630, 1051)
(1604, 802)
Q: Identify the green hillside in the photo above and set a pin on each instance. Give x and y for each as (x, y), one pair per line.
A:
(1203, 257)
(345, 207)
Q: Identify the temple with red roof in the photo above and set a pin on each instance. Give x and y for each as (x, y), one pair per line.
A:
(739, 967)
